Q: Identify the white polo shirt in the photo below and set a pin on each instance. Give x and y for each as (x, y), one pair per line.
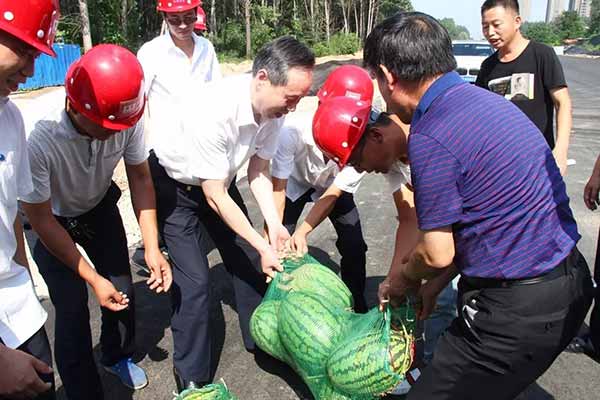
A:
(299, 160)
(169, 74)
(219, 134)
(75, 171)
(21, 314)
(398, 175)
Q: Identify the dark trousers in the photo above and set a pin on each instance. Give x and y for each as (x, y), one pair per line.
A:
(350, 242)
(185, 219)
(102, 235)
(506, 337)
(595, 316)
(39, 347)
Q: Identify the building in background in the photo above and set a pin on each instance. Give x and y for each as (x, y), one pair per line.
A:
(585, 8)
(554, 9)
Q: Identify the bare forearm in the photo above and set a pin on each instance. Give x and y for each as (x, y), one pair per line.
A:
(321, 209)
(59, 243)
(564, 124)
(144, 206)
(262, 189)
(20, 256)
(279, 200)
(231, 214)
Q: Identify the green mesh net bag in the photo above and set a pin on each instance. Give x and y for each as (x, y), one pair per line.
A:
(306, 320)
(214, 391)
(375, 354)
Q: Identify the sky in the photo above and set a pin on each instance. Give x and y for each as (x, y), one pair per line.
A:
(466, 12)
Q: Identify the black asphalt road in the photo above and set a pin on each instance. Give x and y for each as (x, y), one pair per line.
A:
(572, 377)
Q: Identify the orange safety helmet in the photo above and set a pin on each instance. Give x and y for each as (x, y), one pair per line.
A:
(347, 80)
(32, 21)
(177, 5)
(338, 125)
(201, 19)
(106, 85)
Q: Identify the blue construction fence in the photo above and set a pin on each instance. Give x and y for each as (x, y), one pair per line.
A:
(51, 71)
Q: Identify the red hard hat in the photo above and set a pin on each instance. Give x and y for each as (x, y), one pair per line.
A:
(338, 125)
(347, 80)
(177, 5)
(32, 21)
(201, 19)
(106, 85)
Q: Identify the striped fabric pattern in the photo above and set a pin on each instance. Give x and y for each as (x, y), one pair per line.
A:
(480, 165)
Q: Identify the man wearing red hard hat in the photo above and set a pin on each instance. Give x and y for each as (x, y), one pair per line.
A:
(73, 154)
(200, 25)
(302, 173)
(172, 63)
(27, 28)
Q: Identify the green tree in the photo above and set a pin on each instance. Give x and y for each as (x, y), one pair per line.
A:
(391, 7)
(594, 27)
(457, 32)
(570, 25)
(541, 32)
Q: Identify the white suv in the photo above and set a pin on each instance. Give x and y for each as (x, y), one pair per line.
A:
(469, 55)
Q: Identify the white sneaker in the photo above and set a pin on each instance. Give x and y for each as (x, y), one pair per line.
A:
(404, 387)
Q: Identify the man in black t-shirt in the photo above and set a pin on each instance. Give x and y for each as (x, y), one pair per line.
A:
(527, 73)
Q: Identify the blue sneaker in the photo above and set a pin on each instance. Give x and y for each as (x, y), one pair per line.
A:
(130, 374)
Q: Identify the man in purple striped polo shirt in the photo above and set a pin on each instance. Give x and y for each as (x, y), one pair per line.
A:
(491, 204)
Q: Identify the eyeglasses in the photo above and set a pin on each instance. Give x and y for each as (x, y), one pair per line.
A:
(178, 21)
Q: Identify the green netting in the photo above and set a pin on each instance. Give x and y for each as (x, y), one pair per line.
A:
(214, 391)
(373, 358)
(306, 320)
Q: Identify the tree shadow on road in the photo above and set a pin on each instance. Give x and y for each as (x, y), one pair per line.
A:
(322, 71)
(535, 392)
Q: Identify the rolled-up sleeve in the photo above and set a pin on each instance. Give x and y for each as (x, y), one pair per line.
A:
(40, 173)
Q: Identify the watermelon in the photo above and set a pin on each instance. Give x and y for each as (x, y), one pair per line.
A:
(263, 328)
(320, 280)
(328, 392)
(310, 327)
(366, 365)
(215, 391)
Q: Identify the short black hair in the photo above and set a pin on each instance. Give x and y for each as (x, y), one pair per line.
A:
(413, 46)
(279, 56)
(507, 4)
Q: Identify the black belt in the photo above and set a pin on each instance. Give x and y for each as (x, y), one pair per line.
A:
(560, 270)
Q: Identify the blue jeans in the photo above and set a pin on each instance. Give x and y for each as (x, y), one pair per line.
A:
(440, 319)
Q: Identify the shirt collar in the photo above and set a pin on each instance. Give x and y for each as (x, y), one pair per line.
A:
(440, 86)
(173, 47)
(245, 111)
(68, 130)
(3, 102)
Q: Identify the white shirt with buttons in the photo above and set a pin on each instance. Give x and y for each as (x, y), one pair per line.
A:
(220, 134)
(169, 75)
(299, 160)
(21, 314)
(73, 170)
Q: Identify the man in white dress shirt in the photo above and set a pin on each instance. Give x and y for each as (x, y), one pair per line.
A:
(173, 63)
(27, 28)
(235, 120)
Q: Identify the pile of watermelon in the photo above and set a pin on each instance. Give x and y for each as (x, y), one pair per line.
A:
(214, 391)
(306, 320)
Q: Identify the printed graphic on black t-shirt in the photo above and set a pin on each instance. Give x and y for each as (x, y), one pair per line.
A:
(516, 87)
(527, 82)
